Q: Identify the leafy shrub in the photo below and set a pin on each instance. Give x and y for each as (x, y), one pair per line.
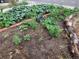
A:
(27, 37)
(54, 30)
(17, 40)
(52, 27)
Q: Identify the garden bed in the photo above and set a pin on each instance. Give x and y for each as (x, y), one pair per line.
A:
(36, 38)
(42, 45)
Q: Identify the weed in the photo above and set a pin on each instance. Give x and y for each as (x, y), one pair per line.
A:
(26, 25)
(27, 37)
(54, 30)
(52, 27)
(32, 24)
(23, 27)
(16, 39)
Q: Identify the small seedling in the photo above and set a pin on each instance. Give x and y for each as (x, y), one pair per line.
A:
(27, 37)
(17, 40)
(23, 27)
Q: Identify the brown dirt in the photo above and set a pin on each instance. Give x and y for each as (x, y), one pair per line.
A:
(41, 46)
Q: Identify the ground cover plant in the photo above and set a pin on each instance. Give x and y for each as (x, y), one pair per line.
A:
(27, 37)
(18, 13)
(21, 12)
(34, 39)
(18, 40)
(52, 26)
(32, 24)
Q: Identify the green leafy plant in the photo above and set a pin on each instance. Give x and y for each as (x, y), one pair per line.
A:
(54, 30)
(23, 27)
(16, 39)
(1, 25)
(20, 12)
(52, 27)
(27, 37)
(32, 24)
(26, 25)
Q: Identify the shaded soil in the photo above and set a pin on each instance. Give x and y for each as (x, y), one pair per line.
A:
(41, 46)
